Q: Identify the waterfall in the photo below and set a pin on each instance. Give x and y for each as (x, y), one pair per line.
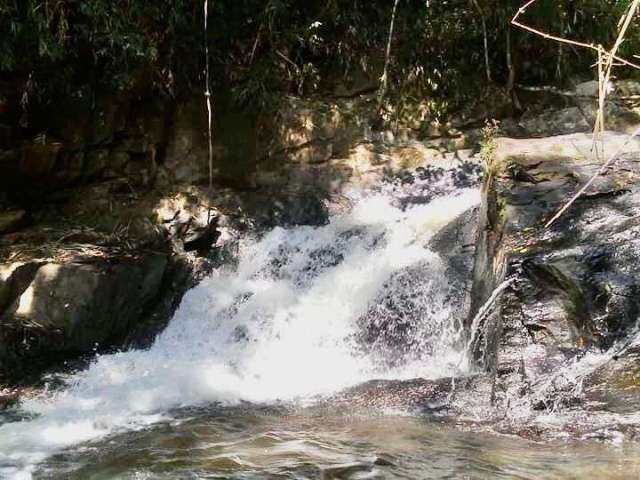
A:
(301, 315)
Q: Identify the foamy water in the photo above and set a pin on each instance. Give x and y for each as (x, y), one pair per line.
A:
(284, 326)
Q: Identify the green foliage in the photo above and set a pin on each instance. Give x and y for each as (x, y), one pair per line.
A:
(262, 49)
(489, 145)
(106, 42)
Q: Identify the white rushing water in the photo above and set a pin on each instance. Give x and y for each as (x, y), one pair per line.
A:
(286, 324)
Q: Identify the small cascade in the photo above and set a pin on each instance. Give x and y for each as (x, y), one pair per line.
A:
(478, 330)
(562, 387)
(307, 311)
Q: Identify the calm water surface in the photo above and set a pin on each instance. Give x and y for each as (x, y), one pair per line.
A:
(245, 444)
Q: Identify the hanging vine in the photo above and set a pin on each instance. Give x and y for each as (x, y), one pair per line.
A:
(207, 92)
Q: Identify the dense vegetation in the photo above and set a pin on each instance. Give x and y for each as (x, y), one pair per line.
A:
(261, 48)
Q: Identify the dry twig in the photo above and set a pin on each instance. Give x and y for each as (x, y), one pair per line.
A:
(600, 171)
(522, 10)
(605, 64)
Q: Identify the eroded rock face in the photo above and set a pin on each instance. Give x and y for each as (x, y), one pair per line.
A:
(456, 245)
(575, 285)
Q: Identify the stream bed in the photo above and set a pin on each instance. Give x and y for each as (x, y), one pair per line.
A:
(244, 380)
(236, 443)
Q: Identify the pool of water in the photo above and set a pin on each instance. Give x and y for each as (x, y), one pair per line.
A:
(337, 329)
(243, 443)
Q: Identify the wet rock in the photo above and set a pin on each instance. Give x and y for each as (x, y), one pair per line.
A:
(616, 384)
(456, 245)
(302, 209)
(393, 329)
(181, 274)
(575, 285)
(416, 394)
(443, 396)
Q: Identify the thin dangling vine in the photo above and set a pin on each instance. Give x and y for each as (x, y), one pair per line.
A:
(207, 92)
(384, 80)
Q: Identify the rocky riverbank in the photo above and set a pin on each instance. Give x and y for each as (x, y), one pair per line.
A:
(101, 235)
(105, 223)
(562, 337)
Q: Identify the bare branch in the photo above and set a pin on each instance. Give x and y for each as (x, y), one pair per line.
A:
(522, 10)
(606, 62)
(600, 171)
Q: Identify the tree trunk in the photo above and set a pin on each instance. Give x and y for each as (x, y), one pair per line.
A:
(511, 80)
(487, 65)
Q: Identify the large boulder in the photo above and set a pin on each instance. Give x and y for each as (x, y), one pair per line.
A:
(575, 285)
(51, 307)
(455, 243)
